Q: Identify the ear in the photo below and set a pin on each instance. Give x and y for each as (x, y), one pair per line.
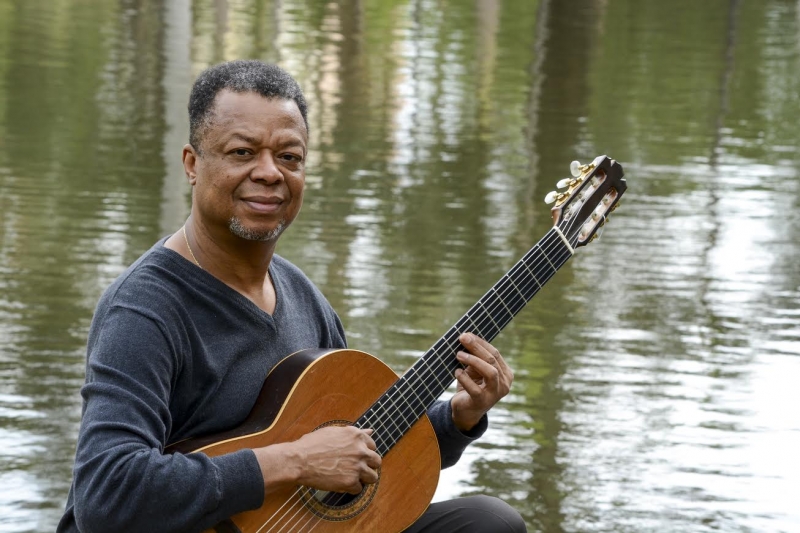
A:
(189, 163)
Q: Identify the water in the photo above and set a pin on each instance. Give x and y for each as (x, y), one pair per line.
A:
(655, 374)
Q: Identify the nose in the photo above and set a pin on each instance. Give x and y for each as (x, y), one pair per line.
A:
(266, 169)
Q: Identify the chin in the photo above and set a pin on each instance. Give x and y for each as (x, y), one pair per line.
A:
(253, 234)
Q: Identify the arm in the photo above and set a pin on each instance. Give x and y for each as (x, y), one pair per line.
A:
(122, 479)
(124, 482)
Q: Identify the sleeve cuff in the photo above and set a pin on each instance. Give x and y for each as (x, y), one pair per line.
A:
(465, 437)
(453, 441)
(240, 484)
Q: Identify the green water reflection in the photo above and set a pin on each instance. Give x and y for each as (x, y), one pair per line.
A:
(653, 386)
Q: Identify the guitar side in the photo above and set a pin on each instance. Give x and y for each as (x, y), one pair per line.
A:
(310, 389)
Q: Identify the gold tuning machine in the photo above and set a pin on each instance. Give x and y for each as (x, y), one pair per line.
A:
(554, 196)
(577, 170)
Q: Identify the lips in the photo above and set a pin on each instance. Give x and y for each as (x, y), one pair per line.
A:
(263, 204)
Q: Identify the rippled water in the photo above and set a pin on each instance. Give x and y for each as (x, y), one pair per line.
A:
(655, 384)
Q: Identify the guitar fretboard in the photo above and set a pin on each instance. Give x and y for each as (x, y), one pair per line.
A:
(393, 414)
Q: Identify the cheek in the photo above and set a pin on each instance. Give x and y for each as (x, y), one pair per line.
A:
(297, 188)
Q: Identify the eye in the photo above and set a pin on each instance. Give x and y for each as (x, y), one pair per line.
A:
(241, 152)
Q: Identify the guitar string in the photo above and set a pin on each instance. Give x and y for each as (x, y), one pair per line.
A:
(450, 344)
(299, 500)
(400, 396)
(300, 509)
(526, 298)
(503, 293)
(289, 519)
(449, 341)
(484, 323)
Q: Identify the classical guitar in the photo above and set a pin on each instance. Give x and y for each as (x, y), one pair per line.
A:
(315, 388)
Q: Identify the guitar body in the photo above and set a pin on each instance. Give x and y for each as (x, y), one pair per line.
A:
(311, 389)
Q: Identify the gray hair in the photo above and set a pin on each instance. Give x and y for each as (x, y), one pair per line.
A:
(241, 76)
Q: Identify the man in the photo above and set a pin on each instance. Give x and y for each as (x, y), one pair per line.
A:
(181, 342)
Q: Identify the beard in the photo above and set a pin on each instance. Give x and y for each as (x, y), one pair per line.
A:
(237, 228)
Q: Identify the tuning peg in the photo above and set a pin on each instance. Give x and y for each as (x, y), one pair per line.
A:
(564, 183)
(616, 205)
(575, 168)
(551, 197)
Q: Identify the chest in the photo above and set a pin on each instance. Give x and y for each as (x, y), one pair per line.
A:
(224, 368)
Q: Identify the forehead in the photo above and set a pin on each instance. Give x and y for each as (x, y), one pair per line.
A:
(258, 115)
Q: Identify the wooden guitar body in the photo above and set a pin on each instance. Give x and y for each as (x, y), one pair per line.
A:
(315, 388)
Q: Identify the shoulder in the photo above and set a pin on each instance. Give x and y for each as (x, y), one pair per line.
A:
(291, 278)
(285, 267)
(151, 286)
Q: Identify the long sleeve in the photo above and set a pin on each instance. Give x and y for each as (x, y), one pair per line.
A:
(174, 353)
(452, 441)
(122, 479)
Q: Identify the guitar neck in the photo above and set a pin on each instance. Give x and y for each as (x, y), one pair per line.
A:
(409, 398)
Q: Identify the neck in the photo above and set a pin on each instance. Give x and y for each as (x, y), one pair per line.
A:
(241, 264)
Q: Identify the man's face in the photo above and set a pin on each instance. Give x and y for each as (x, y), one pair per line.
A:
(250, 173)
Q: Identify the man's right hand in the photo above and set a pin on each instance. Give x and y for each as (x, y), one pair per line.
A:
(335, 458)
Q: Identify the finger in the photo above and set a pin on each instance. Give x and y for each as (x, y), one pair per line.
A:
(355, 488)
(374, 460)
(487, 371)
(473, 389)
(488, 353)
(480, 348)
(369, 475)
(370, 442)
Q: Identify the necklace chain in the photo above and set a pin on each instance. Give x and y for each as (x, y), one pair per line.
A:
(185, 238)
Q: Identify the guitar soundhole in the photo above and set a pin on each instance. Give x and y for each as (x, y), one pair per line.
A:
(338, 506)
(336, 499)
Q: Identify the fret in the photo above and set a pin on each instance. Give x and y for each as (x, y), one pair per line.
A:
(499, 298)
(410, 396)
(533, 276)
(420, 378)
(485, 323)
(491, 308)
(511, 297)
(401, 392)
(547, 258)
(475, 329)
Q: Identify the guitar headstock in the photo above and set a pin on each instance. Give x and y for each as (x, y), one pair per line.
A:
(593, 192)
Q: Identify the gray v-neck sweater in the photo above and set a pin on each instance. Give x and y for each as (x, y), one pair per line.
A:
(174, 353)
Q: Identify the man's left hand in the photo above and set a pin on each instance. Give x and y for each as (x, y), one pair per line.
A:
(485, 380)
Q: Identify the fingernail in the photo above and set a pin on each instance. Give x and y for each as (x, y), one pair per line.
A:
(467, 337)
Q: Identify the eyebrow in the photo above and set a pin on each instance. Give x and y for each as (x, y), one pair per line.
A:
(252, 140)
(243, 137)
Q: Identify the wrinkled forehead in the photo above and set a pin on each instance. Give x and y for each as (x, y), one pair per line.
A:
(252, 110)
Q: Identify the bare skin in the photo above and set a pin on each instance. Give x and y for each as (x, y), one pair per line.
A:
(486, 379)
(251, 167)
